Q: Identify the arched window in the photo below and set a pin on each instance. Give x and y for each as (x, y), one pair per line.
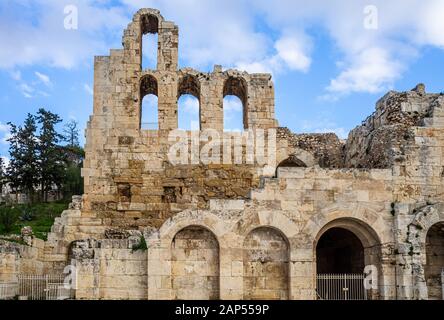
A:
(149, 41)
(149, 119)
(188, 112)
(235, 104)
(188, 103)
(233, 117)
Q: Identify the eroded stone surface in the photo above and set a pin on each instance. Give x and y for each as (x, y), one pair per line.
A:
(235, 231)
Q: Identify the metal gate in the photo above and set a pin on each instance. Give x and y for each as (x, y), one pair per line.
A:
(340, 287)
(442, 283)
(8, 290)
(43, 287)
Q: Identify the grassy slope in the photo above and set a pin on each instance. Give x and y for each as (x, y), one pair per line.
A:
(43, 218)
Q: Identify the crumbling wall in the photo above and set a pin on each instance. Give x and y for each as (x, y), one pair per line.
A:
(129, 181)
(266, 225)
(327, 148)
(383, 137)
(18, 258)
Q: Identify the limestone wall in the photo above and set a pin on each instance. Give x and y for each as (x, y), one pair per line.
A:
(21, 259)
(237, 230)
(109, 269)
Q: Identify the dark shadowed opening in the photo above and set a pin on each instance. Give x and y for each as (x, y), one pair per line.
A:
(435, 261)
(339, 251)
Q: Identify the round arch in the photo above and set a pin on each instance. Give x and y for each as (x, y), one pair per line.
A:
(344, 247)
(149, 86)
(189, 87)
(371, 244)
(187, 218)
(434, 267)
(238, 86)
(425, 218)
(365, 233)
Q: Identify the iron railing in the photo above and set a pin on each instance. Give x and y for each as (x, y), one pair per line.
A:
(43, 287)
(442, 283)
(340, 287)
(8, 290)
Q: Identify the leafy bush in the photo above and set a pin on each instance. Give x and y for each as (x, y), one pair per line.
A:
(27, 214)
(8, 218)
(142, 245)
(41, 214)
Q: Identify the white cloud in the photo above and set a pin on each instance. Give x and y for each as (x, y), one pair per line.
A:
(431, 24)
(16, 75)
(44, 79)
(323, 124)
(189, 104)
(5, 138)
(232, 104)
(372, 71)
(4, 133)
(4, 127)
(370, 60)
(43, 38)
(26, 90)
(228, 33)
(6, 161)
(88, 89)
(293, 52)
(213, 32)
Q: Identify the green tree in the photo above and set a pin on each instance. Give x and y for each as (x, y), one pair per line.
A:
(74, 155)
(22, 172)
(50, 154)
(8, 218)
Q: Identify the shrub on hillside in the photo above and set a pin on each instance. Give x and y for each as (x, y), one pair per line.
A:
(8, 218)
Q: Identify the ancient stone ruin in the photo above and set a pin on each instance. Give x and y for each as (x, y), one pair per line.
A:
(147, 228)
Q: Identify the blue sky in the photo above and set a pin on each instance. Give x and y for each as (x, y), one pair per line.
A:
(330, 60)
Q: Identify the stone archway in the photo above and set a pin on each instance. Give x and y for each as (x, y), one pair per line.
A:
(418, 230)
(434, 261)
(339, 251)
(343, 249)
(195, 264)
(266, 265)
(361, 231)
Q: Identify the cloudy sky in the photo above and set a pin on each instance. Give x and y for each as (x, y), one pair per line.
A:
(330, 60)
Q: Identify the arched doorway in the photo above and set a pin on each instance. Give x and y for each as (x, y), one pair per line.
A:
(195, 264)
(339, 251)
(343, 249)
(266, 269)
(434, 266)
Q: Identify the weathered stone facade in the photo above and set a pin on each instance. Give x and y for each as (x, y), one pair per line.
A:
(242, 231)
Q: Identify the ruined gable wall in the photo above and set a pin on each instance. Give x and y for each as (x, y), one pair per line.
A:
(128, 179)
